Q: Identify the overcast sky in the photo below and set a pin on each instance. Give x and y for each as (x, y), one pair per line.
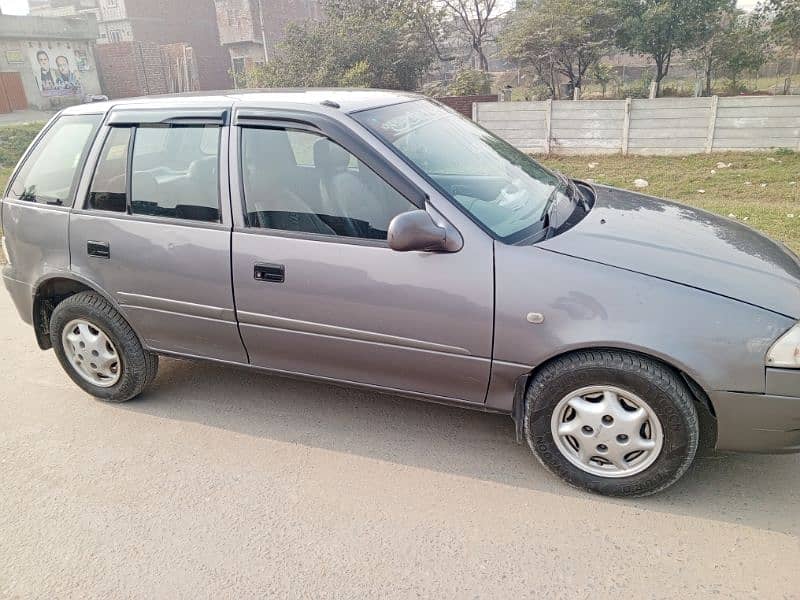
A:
(14, 7)
(20, 7)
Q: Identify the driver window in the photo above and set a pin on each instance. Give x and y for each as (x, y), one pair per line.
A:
(301, 181)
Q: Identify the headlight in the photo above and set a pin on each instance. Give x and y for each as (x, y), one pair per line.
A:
(5, 250)
(786, 351)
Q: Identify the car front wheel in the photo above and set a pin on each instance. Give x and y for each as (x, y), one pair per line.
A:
(612, 422)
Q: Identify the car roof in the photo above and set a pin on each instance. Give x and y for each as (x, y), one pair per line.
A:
(347, 100)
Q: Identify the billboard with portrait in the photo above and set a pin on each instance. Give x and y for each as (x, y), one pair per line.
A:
(57, 71)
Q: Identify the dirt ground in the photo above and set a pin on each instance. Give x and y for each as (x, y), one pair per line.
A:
(226, 483)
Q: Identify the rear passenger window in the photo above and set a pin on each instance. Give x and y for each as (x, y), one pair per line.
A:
(50, 173)
(173, 172)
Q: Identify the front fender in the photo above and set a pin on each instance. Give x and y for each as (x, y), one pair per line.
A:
(719, 342)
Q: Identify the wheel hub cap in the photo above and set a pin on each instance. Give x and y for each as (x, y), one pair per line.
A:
(91, 353)
(607, 431)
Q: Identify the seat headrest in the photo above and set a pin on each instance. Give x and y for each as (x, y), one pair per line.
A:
(144, 186)
(267, 148)
(205, 167)
(330, 156)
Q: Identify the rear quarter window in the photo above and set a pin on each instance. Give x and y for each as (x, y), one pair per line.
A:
(50, 172)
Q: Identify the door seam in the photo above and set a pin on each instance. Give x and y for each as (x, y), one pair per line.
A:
(230, 153)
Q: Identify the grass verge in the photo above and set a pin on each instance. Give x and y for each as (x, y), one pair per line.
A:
(759, 189)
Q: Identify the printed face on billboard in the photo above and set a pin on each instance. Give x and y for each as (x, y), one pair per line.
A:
(56, 71)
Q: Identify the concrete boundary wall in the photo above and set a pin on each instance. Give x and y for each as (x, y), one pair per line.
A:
(660, 126)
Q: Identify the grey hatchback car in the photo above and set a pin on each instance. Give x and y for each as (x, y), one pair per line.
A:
(378, 239)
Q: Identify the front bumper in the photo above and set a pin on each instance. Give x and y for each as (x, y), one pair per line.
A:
(21, 294)
(767, 423)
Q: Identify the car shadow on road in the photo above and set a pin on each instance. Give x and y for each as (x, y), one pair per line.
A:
(754, 490)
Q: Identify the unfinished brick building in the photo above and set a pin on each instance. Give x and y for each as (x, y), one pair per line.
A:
(165, 22)
(239, 23)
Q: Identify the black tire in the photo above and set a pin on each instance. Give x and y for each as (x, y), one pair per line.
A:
(138, 366)
(662, 389)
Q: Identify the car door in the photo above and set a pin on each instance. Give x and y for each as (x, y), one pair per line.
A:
(152, 228)
(318, 290)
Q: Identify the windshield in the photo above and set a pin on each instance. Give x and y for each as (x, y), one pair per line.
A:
(501, 187)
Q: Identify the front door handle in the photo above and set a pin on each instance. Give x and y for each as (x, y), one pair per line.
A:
(269, 272)
(98, 249)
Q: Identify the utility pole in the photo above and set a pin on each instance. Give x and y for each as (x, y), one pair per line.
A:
(263, 32)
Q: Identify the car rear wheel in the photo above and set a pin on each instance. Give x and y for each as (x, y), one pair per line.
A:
(98, 349)
(612, 422)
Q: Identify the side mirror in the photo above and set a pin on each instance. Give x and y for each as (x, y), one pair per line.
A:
(416, 230)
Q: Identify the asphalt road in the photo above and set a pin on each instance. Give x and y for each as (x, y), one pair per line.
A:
(226, 483)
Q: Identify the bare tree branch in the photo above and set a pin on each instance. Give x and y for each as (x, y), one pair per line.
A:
(473, 20)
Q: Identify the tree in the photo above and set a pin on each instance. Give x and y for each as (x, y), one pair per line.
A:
(360, 43)
(540, 37)
(431, 17)
(470, 82)
(472, 18)
(742, 48)
(706, 57)
(785, 17)
(602, 73)
(659, 28)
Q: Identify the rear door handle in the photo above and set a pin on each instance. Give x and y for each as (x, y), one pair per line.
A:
(269, 273)
(98, 249)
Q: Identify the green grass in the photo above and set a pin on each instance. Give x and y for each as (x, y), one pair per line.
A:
(759, 189)
(14, 139)
(685, 87)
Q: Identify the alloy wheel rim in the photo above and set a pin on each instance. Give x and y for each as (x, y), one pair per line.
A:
(607, 431)
(91, 353)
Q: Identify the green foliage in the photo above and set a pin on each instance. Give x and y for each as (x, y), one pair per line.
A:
(359, 75)
(706, 56)
(559, 37)
(659, 28)
(14, 140)
(735, 43)
(252, 77)
(677, 90)
(360, 43)
(785, 16)
(470, 82)
(639, 89)
(634, 91)
(602, 74)
(742, 47)
(434, 89)
(527, 94)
